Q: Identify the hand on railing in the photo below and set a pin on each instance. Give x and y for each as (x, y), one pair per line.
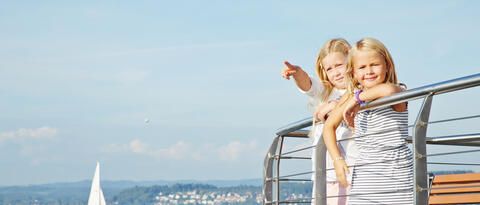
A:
(323, 109)
(341, 170)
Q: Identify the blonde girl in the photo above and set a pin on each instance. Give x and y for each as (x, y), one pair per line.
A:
(383, 171)
(330, 67)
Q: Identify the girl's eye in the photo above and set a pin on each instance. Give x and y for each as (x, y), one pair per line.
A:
(338, 65)
(328, 69)
(362, 67)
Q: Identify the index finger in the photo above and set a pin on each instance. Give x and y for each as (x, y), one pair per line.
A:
(289, 65)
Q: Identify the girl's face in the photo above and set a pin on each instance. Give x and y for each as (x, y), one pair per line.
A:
(369, 68)
(334, 65)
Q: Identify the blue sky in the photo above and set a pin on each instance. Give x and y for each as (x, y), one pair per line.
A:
(78, 79)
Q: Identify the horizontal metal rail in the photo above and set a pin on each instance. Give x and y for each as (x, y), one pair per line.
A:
(298, 134)
(421, 92)
(451, 163)
(472, 139)
(295, 126)
(304, 133)
(291, 175)
(299, 201)
(450, 153)
(455, 119)
(408, 95)
(298, 174)
(294, 180)
(419, 140)
(292, 157)
(298, 150)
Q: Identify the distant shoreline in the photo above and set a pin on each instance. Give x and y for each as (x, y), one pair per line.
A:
(131, 183)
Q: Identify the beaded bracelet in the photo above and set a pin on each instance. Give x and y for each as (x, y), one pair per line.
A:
(357, 97)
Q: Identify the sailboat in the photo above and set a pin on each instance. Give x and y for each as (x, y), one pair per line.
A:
(96, 194)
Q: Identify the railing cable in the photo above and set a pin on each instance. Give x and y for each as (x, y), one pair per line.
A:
(448, 163)
(298, 150)
(450, 153)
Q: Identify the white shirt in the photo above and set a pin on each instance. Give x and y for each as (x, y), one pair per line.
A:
(348, 148)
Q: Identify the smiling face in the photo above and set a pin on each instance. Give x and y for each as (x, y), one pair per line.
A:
(369, 68)
(334, 65)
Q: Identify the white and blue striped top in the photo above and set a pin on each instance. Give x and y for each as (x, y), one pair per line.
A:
(383, 171)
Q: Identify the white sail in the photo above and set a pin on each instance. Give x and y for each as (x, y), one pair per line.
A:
(96, 194)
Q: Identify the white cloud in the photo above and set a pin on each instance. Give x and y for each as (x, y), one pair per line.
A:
(28, 142)
(234, 150)
(181, 150)
(29, 133)
(136, 146)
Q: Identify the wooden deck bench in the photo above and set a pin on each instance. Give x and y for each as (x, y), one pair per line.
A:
(455, 189)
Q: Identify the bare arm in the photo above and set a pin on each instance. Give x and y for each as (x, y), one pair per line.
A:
(299, 75)
(331, 124)
(383, 90)
(323, 109)
(330, 139)
(378, 91)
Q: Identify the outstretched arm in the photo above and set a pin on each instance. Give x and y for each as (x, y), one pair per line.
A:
(330, 138)
(301, 78)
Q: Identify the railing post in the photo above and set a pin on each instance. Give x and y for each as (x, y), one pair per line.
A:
(320, 173)
(277, 171)
(268, 172)
(420, 175)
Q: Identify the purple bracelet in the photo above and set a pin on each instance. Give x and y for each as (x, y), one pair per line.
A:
(357, 98)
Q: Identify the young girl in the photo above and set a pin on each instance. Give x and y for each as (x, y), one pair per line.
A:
(383, 171)
(330, 67)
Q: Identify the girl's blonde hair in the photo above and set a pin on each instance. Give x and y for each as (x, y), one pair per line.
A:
(369, 44)
(331, 46)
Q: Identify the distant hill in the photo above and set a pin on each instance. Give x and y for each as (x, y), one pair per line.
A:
(130, 183)
(145, 192)
(74, 193)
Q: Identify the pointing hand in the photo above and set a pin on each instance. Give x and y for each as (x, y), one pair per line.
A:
(289, 70)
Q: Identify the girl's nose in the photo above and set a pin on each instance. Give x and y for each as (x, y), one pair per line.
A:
(369, 70)
(338, 71)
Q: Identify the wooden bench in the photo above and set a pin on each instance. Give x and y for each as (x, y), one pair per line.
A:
(455, 189)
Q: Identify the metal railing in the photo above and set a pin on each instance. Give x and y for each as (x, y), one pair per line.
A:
(419, 140)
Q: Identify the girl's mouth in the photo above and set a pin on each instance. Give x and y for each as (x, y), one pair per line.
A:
(370, 78)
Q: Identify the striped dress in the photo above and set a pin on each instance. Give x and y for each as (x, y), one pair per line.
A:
(383, 172)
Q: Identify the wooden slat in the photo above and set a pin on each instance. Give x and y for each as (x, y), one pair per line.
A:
(456, 188)
(454, 199)
(457, 178)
